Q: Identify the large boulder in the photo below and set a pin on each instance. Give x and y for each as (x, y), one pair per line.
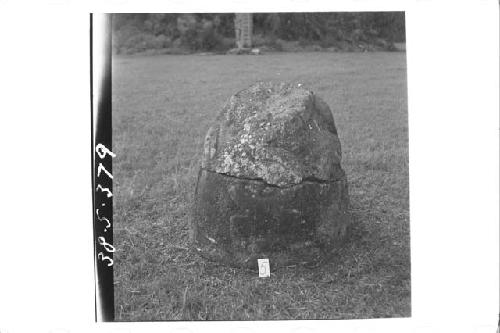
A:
(270, 183)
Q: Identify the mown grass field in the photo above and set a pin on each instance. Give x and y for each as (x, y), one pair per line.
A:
(162, 108)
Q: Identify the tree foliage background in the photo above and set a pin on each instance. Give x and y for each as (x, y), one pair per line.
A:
(183, 33)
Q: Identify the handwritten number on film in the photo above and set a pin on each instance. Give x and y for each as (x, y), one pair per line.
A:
(100, 219)
(102, 152)
(108, 247)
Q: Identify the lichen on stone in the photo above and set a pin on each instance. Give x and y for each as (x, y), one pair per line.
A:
(278, 132)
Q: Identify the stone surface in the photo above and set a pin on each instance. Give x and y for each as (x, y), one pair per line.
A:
(270, 184)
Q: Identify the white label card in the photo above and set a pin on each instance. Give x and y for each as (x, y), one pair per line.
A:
(264, 270)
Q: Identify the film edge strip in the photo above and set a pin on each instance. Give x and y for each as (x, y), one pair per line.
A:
(102, 155)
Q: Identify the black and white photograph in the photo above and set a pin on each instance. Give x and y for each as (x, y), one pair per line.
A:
(261, 168)
(286, 166)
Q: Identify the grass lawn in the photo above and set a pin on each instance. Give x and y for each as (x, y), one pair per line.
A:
(162, 108)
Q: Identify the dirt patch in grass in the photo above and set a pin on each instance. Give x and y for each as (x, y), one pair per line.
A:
(162, 108)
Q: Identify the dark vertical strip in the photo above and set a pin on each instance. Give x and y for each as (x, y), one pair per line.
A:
(103, 170)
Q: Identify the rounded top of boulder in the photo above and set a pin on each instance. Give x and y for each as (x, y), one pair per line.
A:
(280, 133)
